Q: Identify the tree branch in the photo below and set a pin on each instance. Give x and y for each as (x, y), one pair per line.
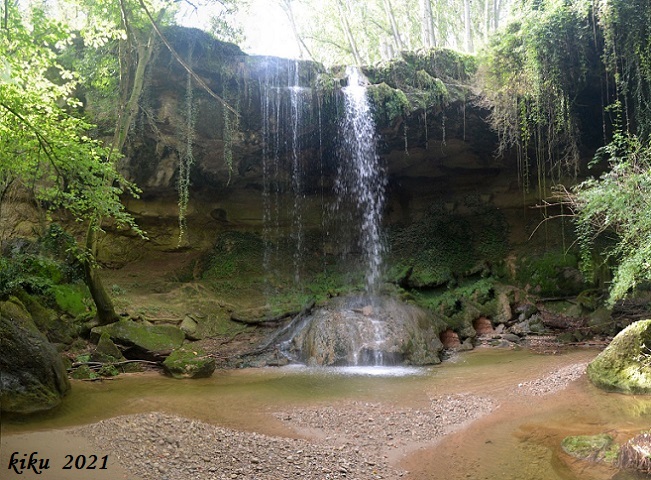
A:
(45, 144)
(187, 67)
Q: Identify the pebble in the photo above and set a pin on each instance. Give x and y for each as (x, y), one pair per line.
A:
(156, 446)
(553, 382)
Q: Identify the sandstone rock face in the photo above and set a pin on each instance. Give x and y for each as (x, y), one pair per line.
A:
(625, 365)
(367, 331)
(32, 375)
(483, 326)
(450, 339)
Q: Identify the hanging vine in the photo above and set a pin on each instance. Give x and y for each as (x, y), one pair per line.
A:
(618, 203)
(186, 157)
(230, 129)
(532, 72)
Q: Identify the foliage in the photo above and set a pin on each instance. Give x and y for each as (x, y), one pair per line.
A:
(626, 27)
(38, 266)
(30, 272)
(618, 204)
(224, 24)
(531, 72)
(58, 162)
(347, 32)
(534, 72)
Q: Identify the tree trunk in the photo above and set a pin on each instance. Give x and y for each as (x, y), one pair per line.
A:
(103, 302)
(144, 51)
(105, 308)
(394, 25)
(427, 24)
(470, 47)
(497, 10)
(287, 6)
(349, 34)
(487, 19)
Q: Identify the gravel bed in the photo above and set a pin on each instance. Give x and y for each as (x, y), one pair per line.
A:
(164, 447)
(378, 428)
(553, 382)
(353, 440)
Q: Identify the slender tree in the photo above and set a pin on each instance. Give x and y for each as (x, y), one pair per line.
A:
(45, 146)
(467, 20)
(428, 37)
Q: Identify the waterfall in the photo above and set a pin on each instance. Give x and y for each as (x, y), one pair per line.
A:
(361, 178)
(295, 92)
(284, 106)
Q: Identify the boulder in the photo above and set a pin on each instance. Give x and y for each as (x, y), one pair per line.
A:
(366, 331)
(189, 326)
(596, 448)
(625, 365)
(189, 362)
(142, 341)
(636, 454)
(32, 375)
(106, 350)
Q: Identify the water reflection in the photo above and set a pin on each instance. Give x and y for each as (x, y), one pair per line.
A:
(365, 371)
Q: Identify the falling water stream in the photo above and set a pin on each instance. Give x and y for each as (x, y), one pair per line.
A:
(361, 175)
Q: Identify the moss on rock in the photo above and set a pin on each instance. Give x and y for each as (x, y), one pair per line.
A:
(140, 339)
(596, 448)
(57, 328)
(625, 365)
(189, 362)
(32, 375)
(106, 350)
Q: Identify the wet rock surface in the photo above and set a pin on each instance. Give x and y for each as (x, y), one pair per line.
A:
(367, 331)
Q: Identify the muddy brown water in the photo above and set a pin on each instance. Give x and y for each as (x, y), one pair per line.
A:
(519, 440)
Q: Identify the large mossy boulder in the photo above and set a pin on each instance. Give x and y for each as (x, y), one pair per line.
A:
(625, 365)
(32, 375)
(140, 340)
(189, 362)
(367, 331)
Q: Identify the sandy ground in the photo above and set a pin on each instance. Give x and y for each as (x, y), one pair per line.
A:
(344, 440)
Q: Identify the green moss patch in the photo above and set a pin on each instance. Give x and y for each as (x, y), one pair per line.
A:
(73, 298)
(625, 365)
(142, 337)
(596, 448)
(189, 361)
(443, 246)
(551, 274)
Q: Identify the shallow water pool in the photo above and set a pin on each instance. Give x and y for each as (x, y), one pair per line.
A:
(519, 440)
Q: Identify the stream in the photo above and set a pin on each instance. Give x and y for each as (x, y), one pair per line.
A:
(520, 439)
